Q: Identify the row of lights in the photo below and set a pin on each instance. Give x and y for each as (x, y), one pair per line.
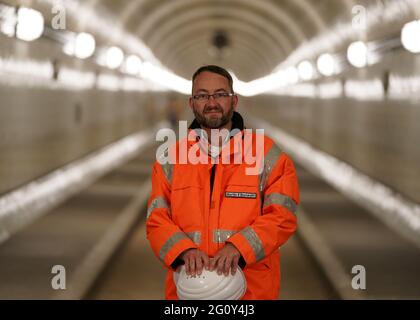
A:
(358, 54)
(28, 24)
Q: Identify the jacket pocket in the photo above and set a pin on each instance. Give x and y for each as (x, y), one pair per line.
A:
(187, 204)
(240, 206)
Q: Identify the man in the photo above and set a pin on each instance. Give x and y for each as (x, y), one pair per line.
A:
(216, 215)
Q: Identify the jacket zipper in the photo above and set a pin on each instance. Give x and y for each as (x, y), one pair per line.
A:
(209, 234)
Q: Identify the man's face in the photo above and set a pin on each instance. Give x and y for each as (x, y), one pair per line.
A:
(212, 113)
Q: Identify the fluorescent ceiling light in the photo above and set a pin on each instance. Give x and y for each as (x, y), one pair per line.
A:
(114, 57)
(357, 54)
(410, 36)
(326, 65)
(30, 24)
(305, 70)
(132, 65)
(84, 45)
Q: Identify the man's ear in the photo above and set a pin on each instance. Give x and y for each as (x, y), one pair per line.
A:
(190, 102)
(235, 102)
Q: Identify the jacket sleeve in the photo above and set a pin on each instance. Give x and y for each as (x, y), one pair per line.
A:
(166, 238)
(277, 221)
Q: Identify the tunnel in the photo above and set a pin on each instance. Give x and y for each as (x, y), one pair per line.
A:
(91, 90)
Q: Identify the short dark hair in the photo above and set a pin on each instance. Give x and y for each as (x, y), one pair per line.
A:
(215, 69)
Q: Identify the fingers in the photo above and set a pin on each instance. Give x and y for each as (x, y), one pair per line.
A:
(192, 266)
(224, 261)
(199, 264)
(189, 261)
(195, 260)
(235, 262)
(202, 261)
(187, 266)
(221, 265)
(227, 265)
(206, 261)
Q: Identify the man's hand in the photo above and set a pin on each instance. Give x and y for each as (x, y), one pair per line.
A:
(194, 260)
(227, 258)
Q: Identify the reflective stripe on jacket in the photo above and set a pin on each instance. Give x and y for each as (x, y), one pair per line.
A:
(254, 212)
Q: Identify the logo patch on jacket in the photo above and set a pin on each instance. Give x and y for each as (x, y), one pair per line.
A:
(246, 195)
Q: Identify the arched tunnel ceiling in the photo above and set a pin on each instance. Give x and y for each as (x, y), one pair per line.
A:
(261, 34)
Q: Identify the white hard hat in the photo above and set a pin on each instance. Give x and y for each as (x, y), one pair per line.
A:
(210, 286)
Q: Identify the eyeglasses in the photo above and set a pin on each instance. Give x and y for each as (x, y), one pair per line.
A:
(216, 96)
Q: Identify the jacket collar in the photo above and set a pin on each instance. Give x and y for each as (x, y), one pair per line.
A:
(237, 127)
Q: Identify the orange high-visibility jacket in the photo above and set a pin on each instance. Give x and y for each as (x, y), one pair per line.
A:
(256, 213)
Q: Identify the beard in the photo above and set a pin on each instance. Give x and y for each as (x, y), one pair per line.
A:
(212, 121)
